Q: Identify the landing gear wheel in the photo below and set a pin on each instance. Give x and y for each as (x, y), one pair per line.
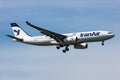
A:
(58, 47)
(64, 51)
(61, 45)
(103, 43)
(67, 49)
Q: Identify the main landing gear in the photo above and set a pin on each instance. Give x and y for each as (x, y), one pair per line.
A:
(64, 50)
(59, 46)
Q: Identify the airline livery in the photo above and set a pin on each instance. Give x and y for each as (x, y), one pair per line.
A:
(79, 39)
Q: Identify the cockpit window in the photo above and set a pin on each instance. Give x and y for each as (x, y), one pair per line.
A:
(109, 32)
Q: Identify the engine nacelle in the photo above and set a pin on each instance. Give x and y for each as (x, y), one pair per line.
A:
(81, 46)
(70, 39)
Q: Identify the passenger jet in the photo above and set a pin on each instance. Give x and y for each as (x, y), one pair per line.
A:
(49, 38)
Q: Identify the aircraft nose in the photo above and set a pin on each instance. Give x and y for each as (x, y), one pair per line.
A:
(113, 35)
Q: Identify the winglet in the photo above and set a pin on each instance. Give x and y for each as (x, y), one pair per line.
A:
(31, 25)
(28, 23)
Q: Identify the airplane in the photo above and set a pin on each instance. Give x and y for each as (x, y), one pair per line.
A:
(49, 38)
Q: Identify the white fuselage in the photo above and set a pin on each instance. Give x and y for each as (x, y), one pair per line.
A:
(79, 39)
(82, 37)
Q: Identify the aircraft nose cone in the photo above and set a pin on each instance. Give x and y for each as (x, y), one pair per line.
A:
(112, 35)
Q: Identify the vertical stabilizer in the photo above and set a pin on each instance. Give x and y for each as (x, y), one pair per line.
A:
(18, 31)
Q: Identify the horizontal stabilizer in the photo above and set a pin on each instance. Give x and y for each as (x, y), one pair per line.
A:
(18, 39)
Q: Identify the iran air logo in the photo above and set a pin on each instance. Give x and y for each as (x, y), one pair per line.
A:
(17, 32)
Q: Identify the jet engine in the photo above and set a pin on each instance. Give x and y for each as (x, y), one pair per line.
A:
(81, 46)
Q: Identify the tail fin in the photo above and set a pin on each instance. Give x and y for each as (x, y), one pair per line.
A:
(18, 31)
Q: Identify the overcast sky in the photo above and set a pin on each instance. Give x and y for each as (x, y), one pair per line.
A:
(25, 62)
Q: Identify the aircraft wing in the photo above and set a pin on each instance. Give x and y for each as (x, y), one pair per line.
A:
(58, 37)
